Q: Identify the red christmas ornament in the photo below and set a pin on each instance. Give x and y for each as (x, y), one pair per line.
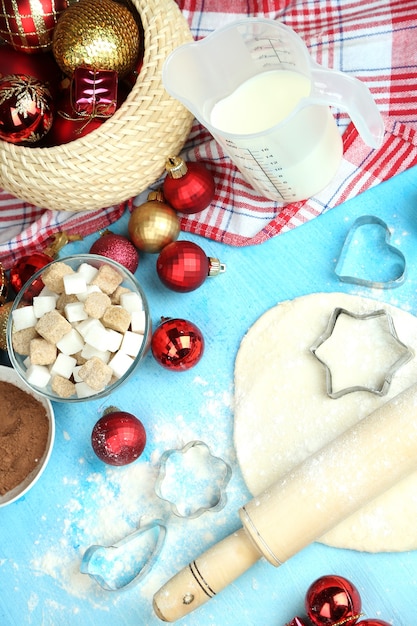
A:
(25, 109)
(333, 601)
(118, 438)
(118, 248)
(188, 187)
(25, 269)
(41, 66)
(184, 266)
(28, 25)
(177, 344)
(296, 621)
(372, 622)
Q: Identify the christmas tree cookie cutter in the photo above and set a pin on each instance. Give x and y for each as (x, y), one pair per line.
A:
(191, 481)
(405, 353)
(385, 257)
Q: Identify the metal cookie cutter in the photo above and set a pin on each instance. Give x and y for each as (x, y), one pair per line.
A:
(396, 271)
(406, 353)
(191, 481)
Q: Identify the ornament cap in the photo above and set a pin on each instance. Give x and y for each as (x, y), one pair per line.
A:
(215, 267)
(176, 167)
(156, 195)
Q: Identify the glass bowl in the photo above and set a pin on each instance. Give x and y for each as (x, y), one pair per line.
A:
(8, 375)
(66, 287)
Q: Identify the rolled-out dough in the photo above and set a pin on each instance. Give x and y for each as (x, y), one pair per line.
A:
(283, 413)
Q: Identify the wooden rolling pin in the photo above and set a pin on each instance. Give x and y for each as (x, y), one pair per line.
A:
(361, 464)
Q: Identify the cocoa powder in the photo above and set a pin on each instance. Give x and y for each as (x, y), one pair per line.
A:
(24, 429)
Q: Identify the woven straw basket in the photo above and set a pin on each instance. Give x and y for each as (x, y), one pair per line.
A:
(128, 151)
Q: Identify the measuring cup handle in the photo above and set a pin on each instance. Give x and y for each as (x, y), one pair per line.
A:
(352, 95)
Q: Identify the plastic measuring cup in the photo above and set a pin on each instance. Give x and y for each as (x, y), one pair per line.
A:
(254, 86)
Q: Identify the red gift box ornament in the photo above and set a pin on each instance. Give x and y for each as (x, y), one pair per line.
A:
(94, 92)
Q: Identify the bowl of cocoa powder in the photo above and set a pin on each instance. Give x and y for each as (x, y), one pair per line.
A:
(27, 432)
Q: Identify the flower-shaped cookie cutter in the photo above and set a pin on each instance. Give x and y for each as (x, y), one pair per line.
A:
(405, 352)
(397, 273)
(191, 481)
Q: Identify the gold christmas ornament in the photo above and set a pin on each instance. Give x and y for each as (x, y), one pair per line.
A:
(153, 224)
(98, 34)
(4, 316)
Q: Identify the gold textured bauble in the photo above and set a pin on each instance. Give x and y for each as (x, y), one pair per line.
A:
(4, 316)
(98, 34)
(153, 224)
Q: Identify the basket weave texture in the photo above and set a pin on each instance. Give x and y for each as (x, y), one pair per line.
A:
(127, 153)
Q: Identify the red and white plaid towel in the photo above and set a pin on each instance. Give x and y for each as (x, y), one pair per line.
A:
(374, 41)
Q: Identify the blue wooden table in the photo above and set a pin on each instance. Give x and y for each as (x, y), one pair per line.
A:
(80, 501)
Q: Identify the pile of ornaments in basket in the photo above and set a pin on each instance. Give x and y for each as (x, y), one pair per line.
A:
(65, 67)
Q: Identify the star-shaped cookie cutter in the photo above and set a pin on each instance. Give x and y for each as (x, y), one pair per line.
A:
(407, 353)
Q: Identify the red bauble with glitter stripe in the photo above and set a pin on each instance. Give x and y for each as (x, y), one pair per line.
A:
(28, 26)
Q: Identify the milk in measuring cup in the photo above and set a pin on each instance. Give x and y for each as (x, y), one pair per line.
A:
(260, 102)
(280, 169)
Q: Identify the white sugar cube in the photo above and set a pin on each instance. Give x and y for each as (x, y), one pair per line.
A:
(74, 283)
(71, 343)
(43, 304)
(38, 375)
(96, 336)
(46, 291)
(75, 373)
(84, 295)
(86, 325)
(83, 390)
(89, 351)
(87, 271)
(120, 363)
(131, 343)
(24, 318)
(114, 340)
(131, 301)
(138, 322)
(74, 312)
(64, 365)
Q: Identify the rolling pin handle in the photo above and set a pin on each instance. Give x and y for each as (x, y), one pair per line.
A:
(204, 578)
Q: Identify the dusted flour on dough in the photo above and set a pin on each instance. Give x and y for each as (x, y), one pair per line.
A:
(283, 413)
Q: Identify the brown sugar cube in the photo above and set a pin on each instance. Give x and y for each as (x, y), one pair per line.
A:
(52, 326)
(116, 318)
(21, 340)
(53, 276)
(65, 299)
(96, 303)
(63, 387)
(107, 279)
(95, 373)
(115, 296)
(42, 352)
(80, 359)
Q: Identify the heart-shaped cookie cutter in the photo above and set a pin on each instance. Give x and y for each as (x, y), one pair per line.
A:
(400, 275)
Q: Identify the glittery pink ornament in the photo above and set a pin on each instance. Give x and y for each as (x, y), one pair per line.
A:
(118, 248)
(118, 438)
(333, 600)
